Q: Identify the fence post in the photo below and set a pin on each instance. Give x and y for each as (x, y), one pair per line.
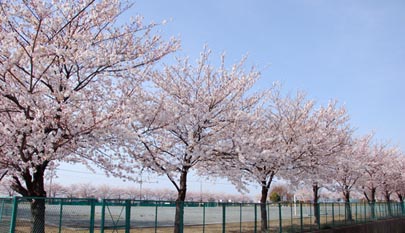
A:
(396, 209)
(60, 215)
(318, 207)
(255, 217)
(291, 216)
(280, 221)
(223, 217)
(345, 213)
(156, 216)
(2, 209)
(310, 216)
(403, 208)
(301, 218)
(240, 217)
(204, 217)
(14, 214)
(365, 212)
(103, 202)
(268, 216)
(333, 214)
(127, 216)
(340, 219)
(92, 211)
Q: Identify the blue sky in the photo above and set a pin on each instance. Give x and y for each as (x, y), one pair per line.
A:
(352, 51)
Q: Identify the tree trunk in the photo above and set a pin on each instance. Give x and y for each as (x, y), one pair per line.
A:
(400, 197)
(38, 215)
(348, 208)
(315, 189)
(38, 205)
(34, 187)
(181, 197)
(401, 202)
(388, 200)
(371, 201)
(263, 210)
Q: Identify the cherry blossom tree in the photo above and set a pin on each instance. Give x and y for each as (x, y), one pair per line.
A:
(327, 133)
(347, 169)
(283, 191)
(66, 68)
(130, 193)
(105, 191)
(399, 185)
(3, 166)
(289, 138)
(5, 188)
(265, 141)
(86, 190)
(189, 114)
(389, 175)
(56, 190)
(372, 167)
(3, 173)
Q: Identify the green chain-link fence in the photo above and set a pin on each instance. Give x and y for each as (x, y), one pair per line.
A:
(108, 216)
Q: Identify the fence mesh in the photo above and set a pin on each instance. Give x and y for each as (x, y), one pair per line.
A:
(23, 215)
(5, 214)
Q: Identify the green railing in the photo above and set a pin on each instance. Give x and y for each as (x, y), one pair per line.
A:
(105, 216)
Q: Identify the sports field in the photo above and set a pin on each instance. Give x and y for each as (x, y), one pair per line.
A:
(66, 215)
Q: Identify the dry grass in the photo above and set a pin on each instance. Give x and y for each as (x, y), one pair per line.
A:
(213, 228)
(288, 225)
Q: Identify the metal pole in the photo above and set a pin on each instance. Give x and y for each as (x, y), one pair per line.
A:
(333, 214)
(280, 221)
(201, 198)
(127, 216)
(310, 216)
(255, 217)
(240, 217)
(292, 220)
(318, 207)
(92, 211)
(156, 216)
(223, 217)
(339, 211)
(365, 212)
(2, 209)
(403, 208)
(203, 217)
(140, 186)
(14, 214)
(60, 215)
(103, 202)
(301, 219)
(268, 216)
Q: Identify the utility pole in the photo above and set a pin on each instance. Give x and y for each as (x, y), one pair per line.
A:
(201, 198)
(52, 173)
